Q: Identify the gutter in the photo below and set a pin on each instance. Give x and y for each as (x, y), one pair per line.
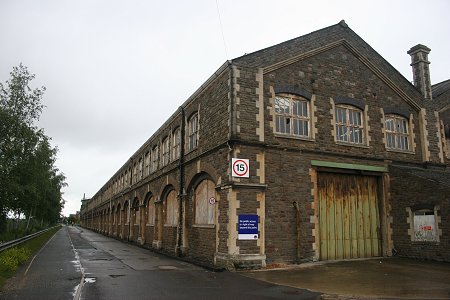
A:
(182, 194)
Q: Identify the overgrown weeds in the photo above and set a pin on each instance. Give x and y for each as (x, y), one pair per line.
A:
(12, 258)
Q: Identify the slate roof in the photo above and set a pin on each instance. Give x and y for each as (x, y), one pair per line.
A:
(440, 88)
(440, 177)
(441, 99)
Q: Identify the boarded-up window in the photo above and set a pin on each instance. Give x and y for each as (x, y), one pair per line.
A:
(119, 215)
(171, 209)
(126, 213)
(204, 208)
(151, 211)
(425, 226)
(113, 216)
(137, 215)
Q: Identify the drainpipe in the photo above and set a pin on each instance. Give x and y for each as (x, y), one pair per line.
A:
(232, 133)
(182, 190)
(128, 218)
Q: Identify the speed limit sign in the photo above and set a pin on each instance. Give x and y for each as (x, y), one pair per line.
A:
(240, 167)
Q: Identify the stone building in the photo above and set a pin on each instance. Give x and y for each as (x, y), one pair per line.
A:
(312, 149)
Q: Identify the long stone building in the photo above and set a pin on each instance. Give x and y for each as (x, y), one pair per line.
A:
(312, 149)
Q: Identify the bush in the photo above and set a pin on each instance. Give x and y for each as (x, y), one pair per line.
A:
(12, 258)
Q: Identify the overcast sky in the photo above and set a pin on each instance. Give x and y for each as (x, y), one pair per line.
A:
(116, 70)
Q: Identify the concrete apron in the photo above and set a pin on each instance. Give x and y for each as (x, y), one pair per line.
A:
(385, 278)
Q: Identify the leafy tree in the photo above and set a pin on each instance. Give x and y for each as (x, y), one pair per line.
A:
(30, 184)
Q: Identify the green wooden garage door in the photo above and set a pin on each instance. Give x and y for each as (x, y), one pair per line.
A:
(348, 216)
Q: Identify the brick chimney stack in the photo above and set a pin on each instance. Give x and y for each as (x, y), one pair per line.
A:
(421, 69)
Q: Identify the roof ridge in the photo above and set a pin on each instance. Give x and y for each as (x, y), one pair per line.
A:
(341, 23)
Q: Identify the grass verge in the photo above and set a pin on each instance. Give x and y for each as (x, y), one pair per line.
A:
(12, 258)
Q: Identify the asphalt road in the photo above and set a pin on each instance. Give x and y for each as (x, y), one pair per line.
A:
(52, 274)
(80, 264)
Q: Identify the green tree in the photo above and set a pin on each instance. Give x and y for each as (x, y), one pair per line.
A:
(30, 184)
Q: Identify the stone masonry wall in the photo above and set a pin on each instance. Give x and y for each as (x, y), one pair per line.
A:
(411, 188)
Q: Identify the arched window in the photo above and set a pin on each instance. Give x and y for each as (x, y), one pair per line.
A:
(176, 140)
(397, 132)
(135, 172)
(119, 215)
(349, 124)
(292, 115)
(125, 215)
(135, 212)
(147, 163)
(155, 159)
(193, 132)
(165, 151)
(171, 205)
(140, 168)
(151, 211)
(204, 208)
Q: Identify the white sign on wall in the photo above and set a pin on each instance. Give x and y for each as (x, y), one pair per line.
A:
(240, 167)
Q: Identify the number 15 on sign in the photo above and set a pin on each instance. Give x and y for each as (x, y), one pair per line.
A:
(240, 167)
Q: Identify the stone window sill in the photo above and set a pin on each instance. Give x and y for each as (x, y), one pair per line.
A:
(353, 145)
(170, 225)
(400, 151)
(425, 243)
(204, 225)
(294, 137)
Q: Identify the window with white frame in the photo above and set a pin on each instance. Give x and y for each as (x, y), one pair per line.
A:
(130, 176)
(147, 163)
(171, 205)
(141, 167)
(193, 132)
(397, 132)
(204, 208)
(349, 125)
(165, 151)
(176, 141)
(292, 115)
(135, 173)
(155, 158)
(151, 211)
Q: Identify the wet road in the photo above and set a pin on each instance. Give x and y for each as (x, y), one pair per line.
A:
(389, 278)
(99, 267)
(80, 264)
(51, 274)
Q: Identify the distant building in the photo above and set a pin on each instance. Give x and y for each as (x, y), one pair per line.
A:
(312, 149)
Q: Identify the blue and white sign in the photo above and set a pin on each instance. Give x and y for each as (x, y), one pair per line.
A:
(248, 227)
